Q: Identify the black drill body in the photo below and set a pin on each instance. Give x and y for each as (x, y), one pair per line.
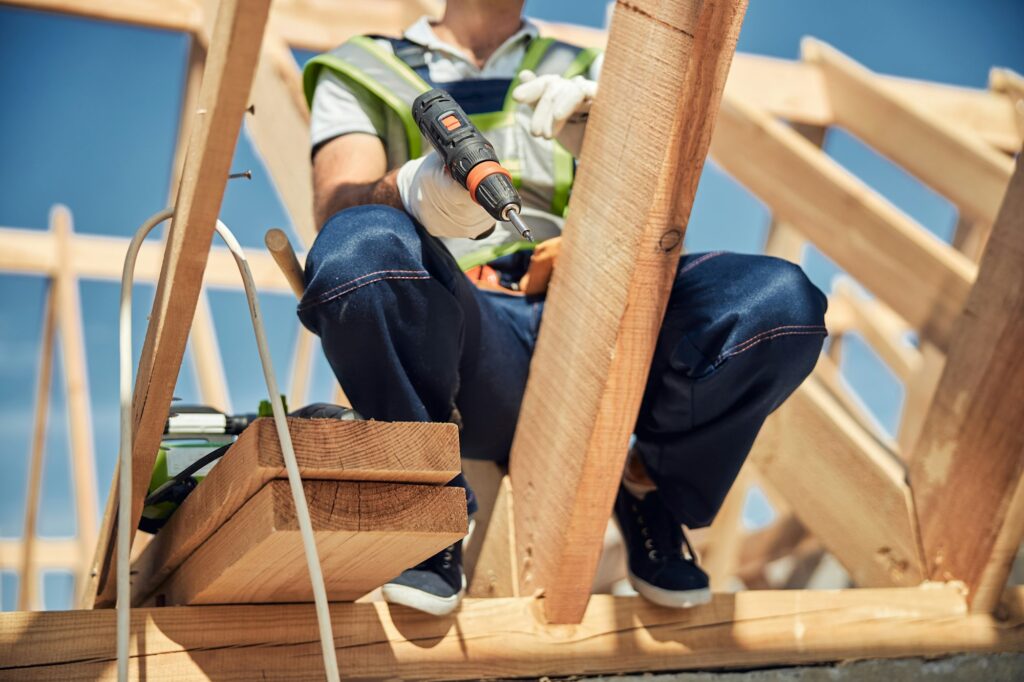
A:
(463, 149)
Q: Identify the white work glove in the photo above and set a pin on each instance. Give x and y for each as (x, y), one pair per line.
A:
(438, 202)
(560, 106)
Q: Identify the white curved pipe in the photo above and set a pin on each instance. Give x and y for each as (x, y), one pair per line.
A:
(280, 422)
(124, 483)
(316, 576)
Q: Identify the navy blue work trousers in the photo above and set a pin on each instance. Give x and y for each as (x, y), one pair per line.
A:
(412, 339)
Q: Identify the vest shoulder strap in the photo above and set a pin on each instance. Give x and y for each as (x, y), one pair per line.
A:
(365, 65)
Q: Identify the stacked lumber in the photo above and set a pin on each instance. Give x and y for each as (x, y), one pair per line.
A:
(376, 496)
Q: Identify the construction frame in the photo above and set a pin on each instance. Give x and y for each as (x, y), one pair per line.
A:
(931, 578)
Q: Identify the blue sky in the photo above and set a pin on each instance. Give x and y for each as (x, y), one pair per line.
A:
(89, 119)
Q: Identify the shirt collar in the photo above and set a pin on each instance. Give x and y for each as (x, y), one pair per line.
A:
(423, 34)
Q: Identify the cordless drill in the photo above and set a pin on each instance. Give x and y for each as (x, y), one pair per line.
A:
(469, 157)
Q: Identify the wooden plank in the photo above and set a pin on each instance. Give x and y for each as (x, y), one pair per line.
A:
(484, 479)
(71, 332)
(213, 384)
(48, 553)
(490, 638)
(28, 593)
(885, 331)
(720, 558)
(223, 98)
(302, 367)
(98, 257)
(175, 15)
(595, 347)
(788, 89)
(920, 277)
(280, 131)
(324, 448)
(952, 161)
(828, 374)
(366, 534)
(196, 62)
(968, 470)
(918, 394)
(843, 486)
(496, 569)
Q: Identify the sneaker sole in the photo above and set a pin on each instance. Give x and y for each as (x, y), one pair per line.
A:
(403, 595)
(673, 599)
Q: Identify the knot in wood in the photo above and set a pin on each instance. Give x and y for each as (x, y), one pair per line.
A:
(670, 240)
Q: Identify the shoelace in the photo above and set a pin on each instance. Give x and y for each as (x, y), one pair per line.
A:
(654, 553)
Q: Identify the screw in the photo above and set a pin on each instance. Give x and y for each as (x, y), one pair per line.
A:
(244, 174)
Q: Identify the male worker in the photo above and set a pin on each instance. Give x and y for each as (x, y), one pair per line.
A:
(413, 338)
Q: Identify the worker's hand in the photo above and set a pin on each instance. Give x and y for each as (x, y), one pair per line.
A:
(560, 106)
(438, 202)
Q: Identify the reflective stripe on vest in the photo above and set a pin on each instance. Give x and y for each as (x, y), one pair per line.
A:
(543, 170)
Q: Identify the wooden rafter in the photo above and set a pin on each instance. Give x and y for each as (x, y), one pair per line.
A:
(223, 99)
(955, 163)
(921, 278)
(843, 486)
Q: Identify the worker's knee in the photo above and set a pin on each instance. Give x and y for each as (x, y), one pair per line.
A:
(781, 322)
(358, 246)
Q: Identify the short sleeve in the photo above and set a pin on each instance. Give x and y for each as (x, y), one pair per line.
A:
(337, 111)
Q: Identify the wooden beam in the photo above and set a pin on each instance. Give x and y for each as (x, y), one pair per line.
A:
(952, 161)
(223, 99)
(28, 597)
(595, 347)
(785, 88)
(496, 571)
(213, 384)
(324, 448)
(47, 553)
(884, 330)
(490, 638)
(280, 130)
(71, 332)
(920, 277)
(366, 534)
(917, 399)
(175, 15)
(302, 367)
(725, 536)
(968, 471)
(194, 65)
(843, 486)
(97, 257)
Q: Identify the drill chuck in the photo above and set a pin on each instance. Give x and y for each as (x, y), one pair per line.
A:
(469, 157)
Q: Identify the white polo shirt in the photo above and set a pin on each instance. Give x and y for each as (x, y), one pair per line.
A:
(336, 110)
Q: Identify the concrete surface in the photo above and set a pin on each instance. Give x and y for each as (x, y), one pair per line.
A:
(963, 668)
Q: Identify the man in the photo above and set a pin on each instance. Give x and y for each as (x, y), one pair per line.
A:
(411, 337)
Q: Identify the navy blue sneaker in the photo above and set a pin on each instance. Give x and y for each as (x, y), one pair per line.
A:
(435, 585)
(662, 565)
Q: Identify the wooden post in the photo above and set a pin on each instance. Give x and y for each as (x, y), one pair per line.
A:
(72, 345)
(213, 384)
(28, 596)
(968, 471)
(641, 161)
(223, 99)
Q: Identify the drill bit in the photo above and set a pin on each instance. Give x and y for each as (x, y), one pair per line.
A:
(517, 222)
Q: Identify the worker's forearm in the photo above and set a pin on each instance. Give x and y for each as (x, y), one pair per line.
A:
(339, 197)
